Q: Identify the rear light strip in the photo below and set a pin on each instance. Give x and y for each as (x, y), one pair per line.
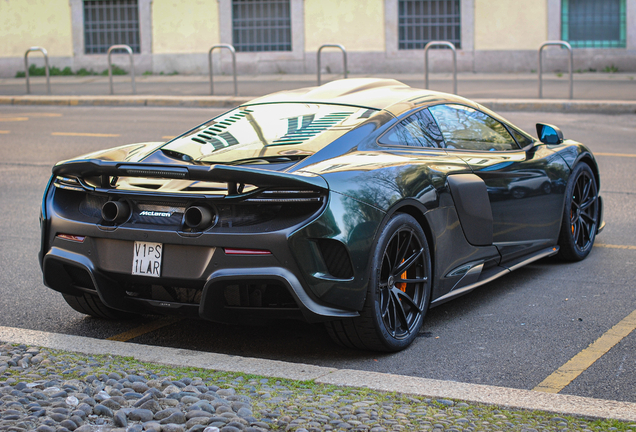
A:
(234, 251)
(71, 237)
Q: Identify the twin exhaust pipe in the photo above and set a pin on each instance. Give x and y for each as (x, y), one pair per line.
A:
(197, 217)
(115, 211)
(194, 217)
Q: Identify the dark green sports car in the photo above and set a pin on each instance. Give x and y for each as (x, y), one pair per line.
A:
(360, 204)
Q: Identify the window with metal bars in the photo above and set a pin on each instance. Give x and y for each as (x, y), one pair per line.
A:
(261, 25)
(422, 21)
(593, 23)
(110, 22)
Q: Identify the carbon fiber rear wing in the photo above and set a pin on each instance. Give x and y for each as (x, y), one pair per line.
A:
(231, 175)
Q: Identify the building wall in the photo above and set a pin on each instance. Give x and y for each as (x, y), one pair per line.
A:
(184, 27)
(27, 23)
(266, 62)
(358, 25)
(99, 62)
(175, 35)
(504, 25)
(182, 34)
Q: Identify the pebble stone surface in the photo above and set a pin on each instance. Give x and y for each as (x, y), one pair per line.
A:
(51, 391)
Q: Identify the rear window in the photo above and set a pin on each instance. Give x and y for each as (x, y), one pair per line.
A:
(265, 131)
(417, 130)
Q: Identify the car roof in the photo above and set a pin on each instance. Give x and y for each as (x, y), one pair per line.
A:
(375, 93)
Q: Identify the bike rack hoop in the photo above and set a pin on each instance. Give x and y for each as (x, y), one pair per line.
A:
(344, 57)
(446, 44)
(233, 52)
(132, 66)
(563, 44)
(46, 68)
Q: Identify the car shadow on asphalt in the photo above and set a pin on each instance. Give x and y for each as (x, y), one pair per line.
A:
(296, 341)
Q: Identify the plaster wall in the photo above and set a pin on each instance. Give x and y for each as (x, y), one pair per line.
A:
(358, 25)
(180, 27)
(175, 35)
(27, 23)
(510, 25)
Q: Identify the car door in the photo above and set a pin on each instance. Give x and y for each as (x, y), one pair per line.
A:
(521, 183)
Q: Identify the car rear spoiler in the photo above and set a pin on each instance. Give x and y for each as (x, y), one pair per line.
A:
(231, 175)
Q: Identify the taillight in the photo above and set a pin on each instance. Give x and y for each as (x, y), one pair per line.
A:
(235, 251)
(71, 237)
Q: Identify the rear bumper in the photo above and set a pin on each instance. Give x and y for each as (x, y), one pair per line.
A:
(317, 269)
(74, 273)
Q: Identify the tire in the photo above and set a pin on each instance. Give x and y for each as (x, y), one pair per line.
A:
(518, 193)
(395, 305)
(580, 215)
(90, 304)
(546, 188)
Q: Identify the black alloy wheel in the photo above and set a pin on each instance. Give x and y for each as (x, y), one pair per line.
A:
(398, 294)
(400, 290)
(580, 215)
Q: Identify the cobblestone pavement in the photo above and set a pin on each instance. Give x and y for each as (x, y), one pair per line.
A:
(55, 391)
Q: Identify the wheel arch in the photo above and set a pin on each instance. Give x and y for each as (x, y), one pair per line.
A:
(417, 210)
(588, 159)
(568, 240)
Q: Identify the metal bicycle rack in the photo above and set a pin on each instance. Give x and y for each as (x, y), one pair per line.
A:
(446, 44)
(344, 57)
(46, 68)
(233, 51)
(570, 62)
(132, 66)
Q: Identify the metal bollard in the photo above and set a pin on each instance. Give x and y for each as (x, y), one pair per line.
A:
(233, 52)
(452, 47)
(344, 57)
(46, 68)
(132, 66)
(570, 63)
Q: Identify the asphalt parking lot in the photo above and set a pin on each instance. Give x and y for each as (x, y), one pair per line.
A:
(515, 332)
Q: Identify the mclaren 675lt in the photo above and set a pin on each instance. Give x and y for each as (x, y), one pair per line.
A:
(359, 204)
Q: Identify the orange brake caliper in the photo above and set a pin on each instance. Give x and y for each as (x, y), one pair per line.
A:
(402, 285)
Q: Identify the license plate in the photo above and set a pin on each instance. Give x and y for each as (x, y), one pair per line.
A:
(147, 259)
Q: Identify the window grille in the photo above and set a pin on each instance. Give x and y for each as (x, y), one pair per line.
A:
(110, 22)
(422, 21)
(261, 25)
(593, 23)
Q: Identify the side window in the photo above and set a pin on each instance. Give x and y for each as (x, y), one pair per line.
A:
(469, 129)
(521, 138)
(417, 130)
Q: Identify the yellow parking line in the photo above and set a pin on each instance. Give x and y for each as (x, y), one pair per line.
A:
(43, 114)
(143, 329)
(83, 134)
(4, 132)
(610, 246)
(563, 376)
(9, 119)
(615, 154)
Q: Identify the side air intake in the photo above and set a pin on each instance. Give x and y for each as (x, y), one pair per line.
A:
(336, 258)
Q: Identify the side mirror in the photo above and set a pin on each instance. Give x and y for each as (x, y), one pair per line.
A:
(549, 134)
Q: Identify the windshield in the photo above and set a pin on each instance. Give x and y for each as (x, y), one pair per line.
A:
(268, 133)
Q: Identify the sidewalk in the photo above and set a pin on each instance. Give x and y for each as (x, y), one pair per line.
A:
(126, 384)
(593, 92)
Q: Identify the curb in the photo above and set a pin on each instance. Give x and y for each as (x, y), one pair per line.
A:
(536, 105)
(561, 105)
(131, 100)
(476, 393)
